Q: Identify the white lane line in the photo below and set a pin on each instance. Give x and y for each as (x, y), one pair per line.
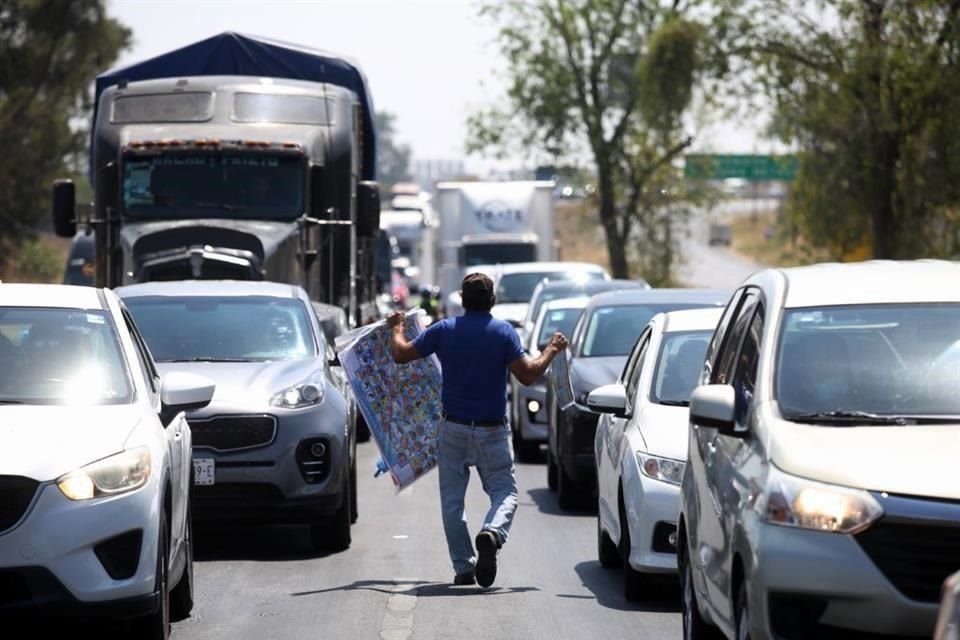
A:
(400, 537)
(398, 618)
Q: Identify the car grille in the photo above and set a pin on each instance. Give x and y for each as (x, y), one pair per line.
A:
(16, 494)
(230, 433)
(916, 558)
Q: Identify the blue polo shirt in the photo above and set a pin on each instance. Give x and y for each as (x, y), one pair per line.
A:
(475, 351)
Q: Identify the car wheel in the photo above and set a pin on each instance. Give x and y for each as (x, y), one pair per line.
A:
(181, 598)
(694, 626)
(354, 510)
(743, 613)
(334, 534)
(567, 496)
(551, 471)
(156, 626)
(607, 552)
(634, 582)
(527, 451)
(363, 429)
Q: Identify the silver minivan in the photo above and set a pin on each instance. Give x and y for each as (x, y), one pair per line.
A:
(821, 497)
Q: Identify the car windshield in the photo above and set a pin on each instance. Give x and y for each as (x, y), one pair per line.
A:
(895, 359)
(61, 356)
(562, 320)
(679, 365)
(223, 329)
(518, 287)
(179, 186)
(613, 330)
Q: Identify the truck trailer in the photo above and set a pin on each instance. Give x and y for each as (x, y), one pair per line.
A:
(235, 157)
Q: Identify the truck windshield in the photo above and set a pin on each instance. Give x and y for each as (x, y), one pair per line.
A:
(506, 253)
(178, 186)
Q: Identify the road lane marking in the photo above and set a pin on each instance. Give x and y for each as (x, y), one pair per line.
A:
(400, 537)
(398, 618)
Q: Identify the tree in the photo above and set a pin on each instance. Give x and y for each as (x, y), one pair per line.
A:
(50, 50)
(612, 79)
(869, 91)
(393, 159)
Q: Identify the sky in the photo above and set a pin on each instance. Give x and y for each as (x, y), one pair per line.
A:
(429, 62)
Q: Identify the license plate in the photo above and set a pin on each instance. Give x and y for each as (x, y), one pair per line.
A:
(204, 471)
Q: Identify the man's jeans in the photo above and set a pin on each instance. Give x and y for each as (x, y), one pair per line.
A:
(490, 450)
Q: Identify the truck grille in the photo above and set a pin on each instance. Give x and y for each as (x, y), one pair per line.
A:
(915, 557)
(16, 494)
(232, 433)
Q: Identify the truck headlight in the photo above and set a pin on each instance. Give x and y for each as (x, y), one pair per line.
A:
(306, 394)
(122, 472)
(662, 469)
(796, 502)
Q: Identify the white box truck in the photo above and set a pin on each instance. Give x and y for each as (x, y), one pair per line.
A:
(493, 222)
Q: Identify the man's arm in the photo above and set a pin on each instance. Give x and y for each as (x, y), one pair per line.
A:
(401, 349)
(528, 370)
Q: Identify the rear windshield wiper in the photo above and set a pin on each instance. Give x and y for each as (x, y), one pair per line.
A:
(851, 417)
(225, 206)
(202, 359)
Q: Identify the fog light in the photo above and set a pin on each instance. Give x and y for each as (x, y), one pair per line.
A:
(317, 449)
(533, 406)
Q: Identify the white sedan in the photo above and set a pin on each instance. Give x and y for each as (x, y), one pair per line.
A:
(641, 445)
(95, 467)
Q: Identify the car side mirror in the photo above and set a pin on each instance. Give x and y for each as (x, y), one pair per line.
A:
(712, 406)
(63, 208)
(180, 391)
(610, 398)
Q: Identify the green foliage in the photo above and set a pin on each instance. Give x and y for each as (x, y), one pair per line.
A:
(50, 51)
(870, 93)
(609, 79)
(36, 261)
(393, 159)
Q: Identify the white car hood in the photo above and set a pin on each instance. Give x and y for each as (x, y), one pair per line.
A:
(664, 430)
(512, 311)
(911, 460)
(45, 442)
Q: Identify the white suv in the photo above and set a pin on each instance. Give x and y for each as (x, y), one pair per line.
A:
(820, 498)
(95, 469)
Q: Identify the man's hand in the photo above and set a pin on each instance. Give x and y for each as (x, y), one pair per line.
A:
(528, 371)
(395, 319)
(558, 341)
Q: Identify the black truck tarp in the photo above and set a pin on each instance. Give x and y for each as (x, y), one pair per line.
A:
(232, 53)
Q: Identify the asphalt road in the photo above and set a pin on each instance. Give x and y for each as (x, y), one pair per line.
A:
(394, 583)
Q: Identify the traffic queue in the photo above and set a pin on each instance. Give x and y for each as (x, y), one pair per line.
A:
(784, 449)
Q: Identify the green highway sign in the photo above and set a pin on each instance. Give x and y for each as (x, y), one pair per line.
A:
(757, 168)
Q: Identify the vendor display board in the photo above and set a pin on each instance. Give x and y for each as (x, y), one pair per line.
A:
(400, 402)
(563, 387)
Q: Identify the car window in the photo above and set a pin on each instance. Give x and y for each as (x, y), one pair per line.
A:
(613, 330)
(679, 364)
(518, 287)
(745, 377)
(726, 359)
(562, 320)
(632, 379)
(224, 328)
(719, 333)
(61, 356)
(143, 354)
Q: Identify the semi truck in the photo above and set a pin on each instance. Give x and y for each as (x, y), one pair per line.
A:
(490, 223)
(235, 157)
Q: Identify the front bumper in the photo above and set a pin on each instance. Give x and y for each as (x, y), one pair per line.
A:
(49, 562)
(652, 507)
(533, 426)
(281, 481)
(815, 584)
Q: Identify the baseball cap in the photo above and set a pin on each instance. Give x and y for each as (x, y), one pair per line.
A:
(477, 288)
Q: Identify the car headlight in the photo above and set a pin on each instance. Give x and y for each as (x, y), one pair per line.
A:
(122, 472)
(796, 502)
(662, 469)
(306, 394)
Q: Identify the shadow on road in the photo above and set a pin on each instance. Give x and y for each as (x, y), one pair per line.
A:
(255, 542)
(546, 501)
(607, 586)
(420, 588)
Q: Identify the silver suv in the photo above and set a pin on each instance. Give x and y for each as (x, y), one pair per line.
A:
(820, 497)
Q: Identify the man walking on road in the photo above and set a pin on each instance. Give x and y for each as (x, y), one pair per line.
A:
(476, 351)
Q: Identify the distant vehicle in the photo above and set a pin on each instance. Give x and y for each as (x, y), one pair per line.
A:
(514, 283)
(528, 408)
(278, 442)
(81, 261)
(547, 290)
(798, 517)
(720, 234)
(641, 446)
(95, 514)
(602, 339)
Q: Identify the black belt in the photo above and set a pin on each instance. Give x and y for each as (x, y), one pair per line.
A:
(475, 423)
